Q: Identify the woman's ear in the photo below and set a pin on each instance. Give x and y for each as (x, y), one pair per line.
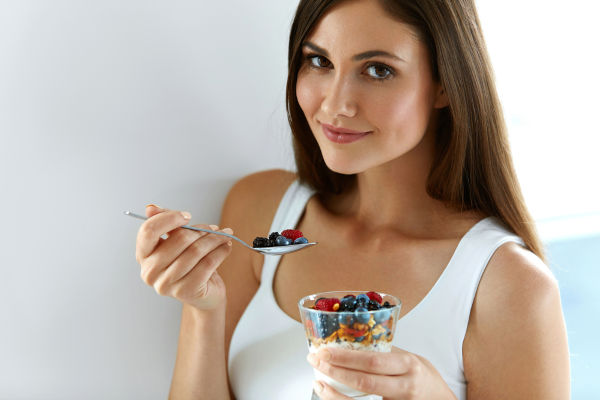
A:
(441, 99)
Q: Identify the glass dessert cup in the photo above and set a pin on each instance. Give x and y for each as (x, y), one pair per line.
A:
(357, 330)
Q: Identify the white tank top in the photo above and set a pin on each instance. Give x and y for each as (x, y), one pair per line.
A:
(267, 356)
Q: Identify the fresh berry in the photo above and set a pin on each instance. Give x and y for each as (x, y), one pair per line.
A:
(362, 298)
(301, 240)
(375, 297)
(292, 234)
(327, 304)
(325, 325)
(346, 319)
(387, 305)
(348, 304)
(373, 305)
(382, 315)
(273, 236)
(261, 242)
(362, 315)
(282, 241)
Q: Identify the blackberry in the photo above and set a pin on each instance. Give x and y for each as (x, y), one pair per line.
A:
(387, 305)
(273, 236)
(373, 305)
(325, 324)
(261, 242)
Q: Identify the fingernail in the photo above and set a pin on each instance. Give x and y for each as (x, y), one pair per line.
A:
(229, 243)
(214, 227)
(318, 386)
(228, 231)
(186, 215)
(153, 205)
(312, 359)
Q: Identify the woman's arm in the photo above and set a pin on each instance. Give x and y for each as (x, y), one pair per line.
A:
(516, 343)
(201, 366)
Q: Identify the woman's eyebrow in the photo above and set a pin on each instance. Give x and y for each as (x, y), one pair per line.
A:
(359, 57)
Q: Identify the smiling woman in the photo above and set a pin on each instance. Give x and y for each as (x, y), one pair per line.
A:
(405, 179)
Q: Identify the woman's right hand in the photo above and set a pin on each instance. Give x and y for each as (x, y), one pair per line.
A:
(184, 265)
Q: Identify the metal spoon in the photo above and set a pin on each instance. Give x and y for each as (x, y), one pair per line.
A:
(274, 251)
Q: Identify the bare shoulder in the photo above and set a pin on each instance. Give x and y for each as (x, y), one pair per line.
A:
(517, 327)
(248, 209)
(252, 201)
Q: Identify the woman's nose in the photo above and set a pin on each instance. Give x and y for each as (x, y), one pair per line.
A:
(339, 100)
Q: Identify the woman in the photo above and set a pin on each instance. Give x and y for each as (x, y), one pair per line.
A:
(405, 180)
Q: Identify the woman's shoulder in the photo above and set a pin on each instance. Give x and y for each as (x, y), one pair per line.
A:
(516, 276)
(253, 200)
(516, 321)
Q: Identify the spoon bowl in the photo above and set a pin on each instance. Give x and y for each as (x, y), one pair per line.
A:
(271, 251)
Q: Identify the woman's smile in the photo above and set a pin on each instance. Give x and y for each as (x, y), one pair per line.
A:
(342, 135)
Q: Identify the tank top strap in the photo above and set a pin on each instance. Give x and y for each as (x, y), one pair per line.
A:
(463, 273)
(287, 216)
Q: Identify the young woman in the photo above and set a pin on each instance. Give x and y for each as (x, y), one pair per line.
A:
(405, 179)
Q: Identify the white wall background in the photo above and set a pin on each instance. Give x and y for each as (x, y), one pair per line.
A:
(110, 105)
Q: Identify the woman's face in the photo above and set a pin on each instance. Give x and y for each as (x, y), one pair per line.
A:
(365, 87)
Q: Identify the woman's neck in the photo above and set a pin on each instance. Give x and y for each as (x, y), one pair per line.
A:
(393, 197)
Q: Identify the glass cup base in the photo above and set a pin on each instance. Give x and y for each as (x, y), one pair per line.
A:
(363, 397)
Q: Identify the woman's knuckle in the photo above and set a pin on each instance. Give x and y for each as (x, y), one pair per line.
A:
(161, 288)
(365, 383)
(375, 363)
(412, 389)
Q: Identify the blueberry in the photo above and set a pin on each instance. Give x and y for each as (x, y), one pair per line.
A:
(387, 304)
(362, 315)
(282, 241)
(362, 298)
(348, 304)
(360, 339)
(346, 318)
(301, 240)
(382, 315)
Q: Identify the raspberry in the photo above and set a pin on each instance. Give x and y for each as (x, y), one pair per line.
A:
(375, 297)
(292, 234)
(327, 304)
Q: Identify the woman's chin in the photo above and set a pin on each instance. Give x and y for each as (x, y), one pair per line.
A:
(344, 168)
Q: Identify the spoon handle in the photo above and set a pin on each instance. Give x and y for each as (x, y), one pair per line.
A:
(193, 228)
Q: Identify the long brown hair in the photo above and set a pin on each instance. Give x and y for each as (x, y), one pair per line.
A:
(472, 167)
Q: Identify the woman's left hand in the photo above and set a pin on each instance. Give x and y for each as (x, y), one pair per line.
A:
(395, 375)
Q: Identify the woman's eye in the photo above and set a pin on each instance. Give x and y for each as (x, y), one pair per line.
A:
(379, 71)
(318, 61)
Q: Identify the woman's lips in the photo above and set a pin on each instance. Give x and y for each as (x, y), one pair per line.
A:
(342, 135)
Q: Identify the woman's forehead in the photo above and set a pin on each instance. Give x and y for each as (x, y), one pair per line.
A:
(357, 26)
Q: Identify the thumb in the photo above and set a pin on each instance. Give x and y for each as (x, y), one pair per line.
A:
(153, 209)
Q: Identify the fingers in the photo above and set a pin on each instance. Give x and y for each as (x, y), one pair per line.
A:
(326, 392)
(167, 251)
(369, 372)
(195, 264)
(397, 362)
(154, 227)
(195, 283)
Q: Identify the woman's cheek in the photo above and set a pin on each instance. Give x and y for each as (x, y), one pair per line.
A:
(307, 95)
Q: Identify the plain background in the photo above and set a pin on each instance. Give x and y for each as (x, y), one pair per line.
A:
(110, 105)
